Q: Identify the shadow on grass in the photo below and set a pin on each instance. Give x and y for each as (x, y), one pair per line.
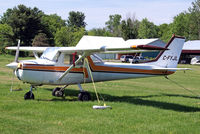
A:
(135, 100)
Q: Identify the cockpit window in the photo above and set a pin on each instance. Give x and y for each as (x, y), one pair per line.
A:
(50, 54)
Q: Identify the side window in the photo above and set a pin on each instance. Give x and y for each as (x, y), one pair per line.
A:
(68, 59)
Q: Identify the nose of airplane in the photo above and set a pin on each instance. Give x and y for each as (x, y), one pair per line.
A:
(12, 65)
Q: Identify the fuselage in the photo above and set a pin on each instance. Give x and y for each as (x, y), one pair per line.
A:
(46, 72)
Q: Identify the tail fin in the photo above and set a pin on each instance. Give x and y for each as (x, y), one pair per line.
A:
(169, 58)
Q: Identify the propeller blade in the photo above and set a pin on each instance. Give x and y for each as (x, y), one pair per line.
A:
(11, 87)
(14, 65)
(17, 51)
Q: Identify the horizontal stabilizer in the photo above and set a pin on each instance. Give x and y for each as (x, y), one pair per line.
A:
(172, 69)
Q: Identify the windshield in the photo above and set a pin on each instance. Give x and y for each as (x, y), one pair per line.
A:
(50, 53)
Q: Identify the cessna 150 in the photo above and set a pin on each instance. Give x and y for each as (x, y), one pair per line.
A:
(65, 65)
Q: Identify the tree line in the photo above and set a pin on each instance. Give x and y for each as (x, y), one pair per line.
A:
(35, 28)
(186, 23)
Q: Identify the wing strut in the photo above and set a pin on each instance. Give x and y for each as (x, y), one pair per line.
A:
(72, 66)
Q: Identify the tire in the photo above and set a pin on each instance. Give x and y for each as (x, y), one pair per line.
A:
(57, 92)
(84, 96)
(29, 96)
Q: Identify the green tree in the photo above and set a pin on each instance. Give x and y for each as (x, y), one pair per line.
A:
(40, 40)
(77, 35)
(99, 32)
(53, 22)
(76, 19)
(180, 25)
(147, 29)
(63, 36)
(129, 28)
(68, 36)
(6, 35)
(165, 32)
(25, 22)
(194, 20)
(113, 24)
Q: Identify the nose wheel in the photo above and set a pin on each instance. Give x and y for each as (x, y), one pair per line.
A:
(29, 95)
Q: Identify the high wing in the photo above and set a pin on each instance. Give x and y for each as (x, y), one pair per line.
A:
(103, 49)
(98, 44)
(31, 49)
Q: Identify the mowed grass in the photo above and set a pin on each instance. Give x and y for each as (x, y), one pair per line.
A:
(146, 105)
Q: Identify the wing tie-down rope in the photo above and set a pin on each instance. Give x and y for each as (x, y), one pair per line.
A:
(179, 85)
(95, 106)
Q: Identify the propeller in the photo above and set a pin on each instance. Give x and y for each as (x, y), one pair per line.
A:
(17, 52)
(14, 64)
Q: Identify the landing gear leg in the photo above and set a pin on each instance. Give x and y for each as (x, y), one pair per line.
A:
(58, 91)
(83, 95)
(29, 95)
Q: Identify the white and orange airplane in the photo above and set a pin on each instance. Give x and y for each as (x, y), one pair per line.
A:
(66, 65)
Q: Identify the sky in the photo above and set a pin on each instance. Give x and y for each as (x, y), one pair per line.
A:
(97, 11)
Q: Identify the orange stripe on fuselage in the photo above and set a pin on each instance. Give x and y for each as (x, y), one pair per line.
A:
(54, 68)
(125, 70)
(95, 68)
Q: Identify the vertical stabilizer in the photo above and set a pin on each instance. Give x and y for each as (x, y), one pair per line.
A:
(169, 58)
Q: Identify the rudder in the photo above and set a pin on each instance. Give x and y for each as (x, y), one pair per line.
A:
(169, 58)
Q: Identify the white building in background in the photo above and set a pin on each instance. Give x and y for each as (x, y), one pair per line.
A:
(190, 50)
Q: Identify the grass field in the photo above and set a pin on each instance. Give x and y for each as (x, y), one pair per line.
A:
(147, 105)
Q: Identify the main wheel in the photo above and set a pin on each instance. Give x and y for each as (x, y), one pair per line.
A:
(84, 96)
(57, 92)
(29, 96)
